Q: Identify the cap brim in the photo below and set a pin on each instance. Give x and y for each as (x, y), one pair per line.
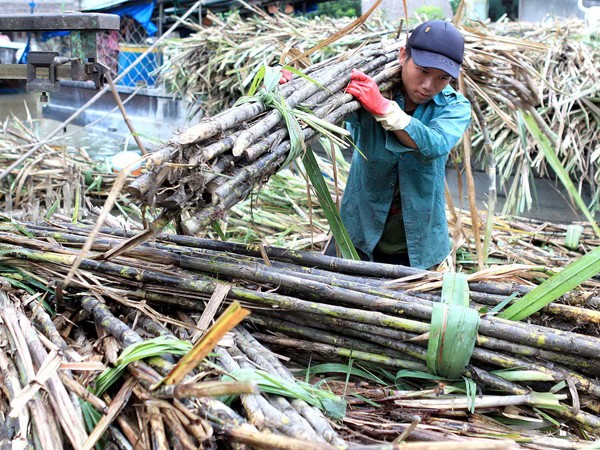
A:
(431, 60)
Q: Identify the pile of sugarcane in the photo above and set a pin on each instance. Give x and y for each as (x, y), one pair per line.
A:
(546, 70)
(560, 87)
(215, 164)
(56, 179)
(309, 307)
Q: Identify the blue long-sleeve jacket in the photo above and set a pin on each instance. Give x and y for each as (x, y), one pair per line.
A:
(435, 127)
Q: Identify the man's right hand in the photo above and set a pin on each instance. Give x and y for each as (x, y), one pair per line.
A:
(367, 93)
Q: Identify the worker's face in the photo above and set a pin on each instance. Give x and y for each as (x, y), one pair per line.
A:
(421, 84)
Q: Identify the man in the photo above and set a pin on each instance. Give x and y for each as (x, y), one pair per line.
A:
(393, 205)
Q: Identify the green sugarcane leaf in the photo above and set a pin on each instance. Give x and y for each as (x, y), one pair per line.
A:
(217, 228)
(567, 279)
(452, 338)
(135, 352)
(336, 409)
(500, 306)
(273, 384)
(471, 393)
(524, 375)
(558, 386)
(573, 236)
(406, 373)
(306, 77)
(91, 417)
(547, 400)
(453, 329)
(455, 289)
(257, 81)
(75, 215)
(52, 209)
(367, 400)
(342, 238)
(341, 368)
(550, 155)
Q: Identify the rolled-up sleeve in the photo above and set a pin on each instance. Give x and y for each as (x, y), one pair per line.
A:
(441, 134)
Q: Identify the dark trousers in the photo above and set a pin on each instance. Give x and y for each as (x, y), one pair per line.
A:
(399, 259)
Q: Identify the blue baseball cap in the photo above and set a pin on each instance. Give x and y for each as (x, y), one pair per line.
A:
(438, 45)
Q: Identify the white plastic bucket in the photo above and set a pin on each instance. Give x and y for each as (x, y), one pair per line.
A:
(121, 160)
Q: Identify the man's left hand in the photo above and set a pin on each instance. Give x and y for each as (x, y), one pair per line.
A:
(286, 76)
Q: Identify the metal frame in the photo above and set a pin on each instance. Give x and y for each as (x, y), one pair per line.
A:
(42, 70)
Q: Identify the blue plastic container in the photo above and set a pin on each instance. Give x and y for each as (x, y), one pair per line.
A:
(140, 74)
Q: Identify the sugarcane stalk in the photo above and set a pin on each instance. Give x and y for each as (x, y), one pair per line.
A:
(250, 403)
(46, 430)
(489, 357)
(116, 405)
(257, 352)
(269, 440)
(305, 332)
(493, 327)
(200, 428)
(279, 414)
(490, 326)
(331, 350)
(11, 388)
(177, 432)
(68, 415)
(206, 389)
(588, 385)
(219, 123)
(249, 136)
(462, 402)
(348, 327)
(139, 369)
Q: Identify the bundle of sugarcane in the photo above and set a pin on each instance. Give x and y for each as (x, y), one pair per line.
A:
(184, 415)
(334, 308)
(196, 170)
(216, 64)
(215, 164)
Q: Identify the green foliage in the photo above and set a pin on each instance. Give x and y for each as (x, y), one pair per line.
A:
(454, 5)
(528, 121)
(453, 328)
(338, 8)
(342, 369)
(567, 279)
(428, 12)
(146, 349)
(331, 404)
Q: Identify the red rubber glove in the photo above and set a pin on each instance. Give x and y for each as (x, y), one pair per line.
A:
(286, 76)
(367, 93)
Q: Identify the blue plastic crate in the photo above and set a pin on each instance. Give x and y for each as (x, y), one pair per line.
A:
(140, 74)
